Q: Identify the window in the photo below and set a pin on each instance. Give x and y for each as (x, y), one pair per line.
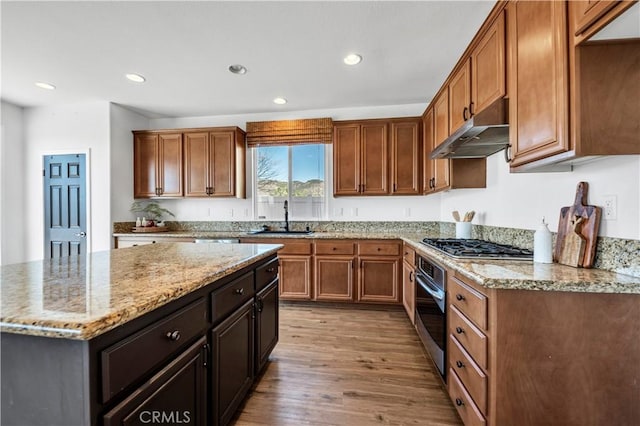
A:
(295, 173)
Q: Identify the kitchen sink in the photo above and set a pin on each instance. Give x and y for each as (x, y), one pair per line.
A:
(279, 232)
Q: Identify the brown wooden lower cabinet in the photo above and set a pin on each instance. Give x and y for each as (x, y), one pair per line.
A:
(379, 271)
(344, 270)
(409, 283)
(334, 278)
(378, 279)
(296, 262)
(542, 357)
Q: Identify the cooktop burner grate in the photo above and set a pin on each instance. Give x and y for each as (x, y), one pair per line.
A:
(477, 249)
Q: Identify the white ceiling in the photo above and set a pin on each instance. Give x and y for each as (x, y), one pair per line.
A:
(183, 48)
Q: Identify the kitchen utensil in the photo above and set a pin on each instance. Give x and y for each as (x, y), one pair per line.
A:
(569, 227)
(456, 215)
(468, 216)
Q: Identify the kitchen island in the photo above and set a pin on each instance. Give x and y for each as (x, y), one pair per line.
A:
(177, 331)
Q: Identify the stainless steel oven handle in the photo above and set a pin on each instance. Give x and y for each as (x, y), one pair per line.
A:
(436, 293)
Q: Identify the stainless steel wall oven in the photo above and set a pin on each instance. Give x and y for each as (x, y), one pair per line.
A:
(431, 317)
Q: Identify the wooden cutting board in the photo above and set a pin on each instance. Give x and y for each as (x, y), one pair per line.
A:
(578, 231)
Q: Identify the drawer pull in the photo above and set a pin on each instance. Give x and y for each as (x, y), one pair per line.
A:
(240, 291)
(272, 269)
(174, 335)
(459, 402)
(459, 330)
(379, 249)
(459, 297)
(459, 364)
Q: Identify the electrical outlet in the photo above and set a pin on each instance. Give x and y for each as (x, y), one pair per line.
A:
(610, 207)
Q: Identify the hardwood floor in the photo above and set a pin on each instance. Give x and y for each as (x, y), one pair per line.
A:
(340, 365)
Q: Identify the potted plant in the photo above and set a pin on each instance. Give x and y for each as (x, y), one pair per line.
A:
(150, 210)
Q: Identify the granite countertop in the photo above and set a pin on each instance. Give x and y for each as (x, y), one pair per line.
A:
(500, 274)
(527, 275)
(83, 297)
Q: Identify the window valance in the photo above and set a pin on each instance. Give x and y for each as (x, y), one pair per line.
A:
(289, 132)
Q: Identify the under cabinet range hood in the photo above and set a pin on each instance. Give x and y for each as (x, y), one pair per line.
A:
(485, 133)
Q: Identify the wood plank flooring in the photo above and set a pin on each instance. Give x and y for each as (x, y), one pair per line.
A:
(339, 365)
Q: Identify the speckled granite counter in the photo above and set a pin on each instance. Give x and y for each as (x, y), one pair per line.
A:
(503, 274)
(527, 275)
(83, 297)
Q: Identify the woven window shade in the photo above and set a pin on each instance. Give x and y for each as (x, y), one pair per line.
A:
(289, 132)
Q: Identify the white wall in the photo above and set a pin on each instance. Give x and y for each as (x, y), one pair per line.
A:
(12, 238)
(122, 122)
(77, 128)
(401, 208)
(520, 200)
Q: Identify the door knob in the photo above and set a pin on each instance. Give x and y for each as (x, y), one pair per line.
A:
(81, 234)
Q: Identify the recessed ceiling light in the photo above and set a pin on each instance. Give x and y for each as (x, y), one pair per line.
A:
(237, 69)
(44, 85)
(136, 78)
(352, 59)
(280, 101)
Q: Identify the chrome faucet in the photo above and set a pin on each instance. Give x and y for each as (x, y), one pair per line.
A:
(286, 215)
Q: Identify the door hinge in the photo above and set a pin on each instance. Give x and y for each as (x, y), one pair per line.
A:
(205, 362)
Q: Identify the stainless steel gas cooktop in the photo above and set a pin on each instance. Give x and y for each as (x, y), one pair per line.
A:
(477, 249)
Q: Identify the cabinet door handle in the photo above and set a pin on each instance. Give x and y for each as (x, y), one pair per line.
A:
(173, 335)
(507, 154)
(459, 297)
(471, 105)
(272, 269)
(459, 364)
(239, 291)
(394, 187)
(411, 276)
(459, 402)
(459, 330)
(464, 114)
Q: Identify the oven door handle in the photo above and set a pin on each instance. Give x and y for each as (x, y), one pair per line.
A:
(424, 283)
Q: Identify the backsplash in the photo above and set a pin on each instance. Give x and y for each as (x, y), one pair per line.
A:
(613, 254)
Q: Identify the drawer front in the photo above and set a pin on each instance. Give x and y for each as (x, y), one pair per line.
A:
(409, 255)
(226, 299)
(128, 360)
(469, 373)
(470, 337)
(382, 248)
(467, 410)
(335, 247)
(468, 301)
(266, 274)
(296, 248)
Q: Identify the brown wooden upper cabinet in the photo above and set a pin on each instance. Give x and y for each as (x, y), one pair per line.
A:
(587, 12)
(569, 100)
(538, 90)
(443, 174)
(215, 163)
(436, 172)
(406, 148)
(157, 164)
(361, 158)
(480, 79)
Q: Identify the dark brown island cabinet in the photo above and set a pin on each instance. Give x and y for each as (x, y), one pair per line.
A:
(189, 362)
